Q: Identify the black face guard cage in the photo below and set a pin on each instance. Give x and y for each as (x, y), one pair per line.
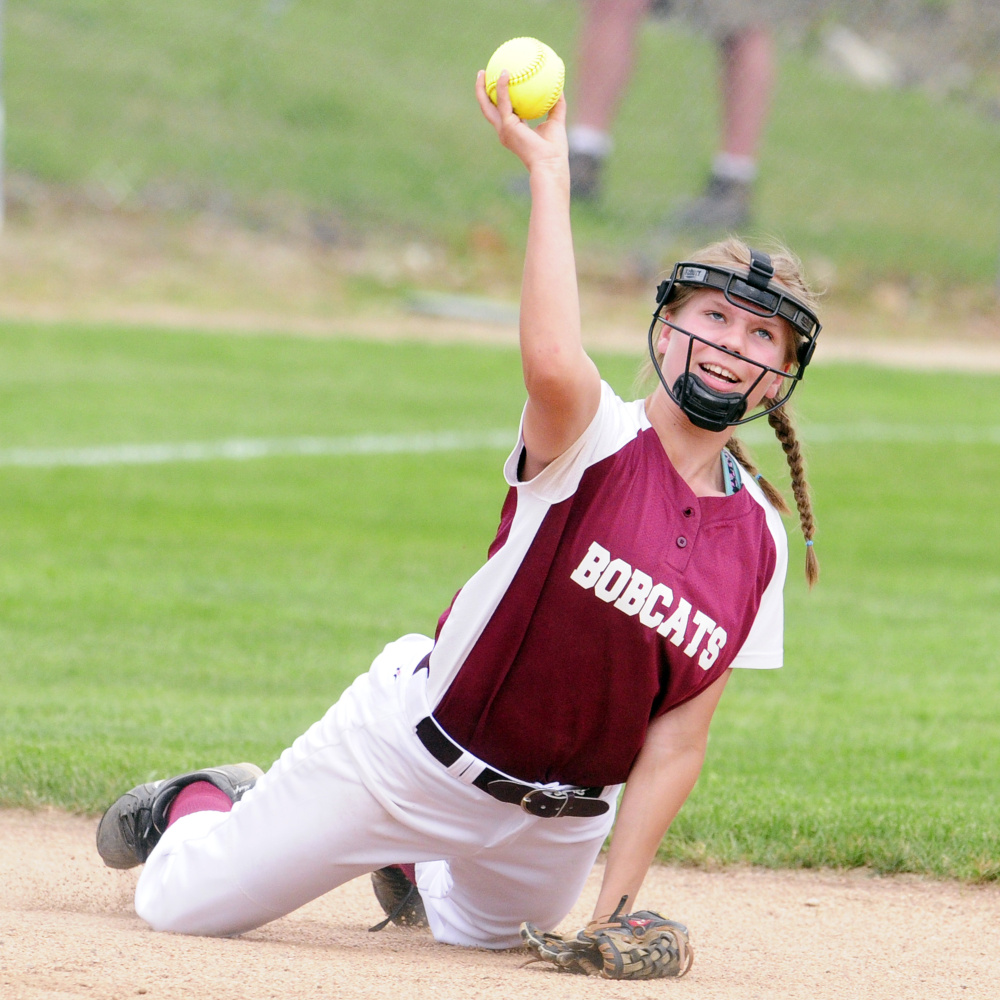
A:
(751, 291)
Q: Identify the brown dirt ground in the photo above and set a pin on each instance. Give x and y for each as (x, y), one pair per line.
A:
(67, 928)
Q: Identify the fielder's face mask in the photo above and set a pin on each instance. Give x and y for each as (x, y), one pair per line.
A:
(752, 291)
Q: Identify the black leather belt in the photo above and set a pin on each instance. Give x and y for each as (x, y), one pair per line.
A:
(545, 802)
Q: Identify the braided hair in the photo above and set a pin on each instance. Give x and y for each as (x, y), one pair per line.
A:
(784, 429)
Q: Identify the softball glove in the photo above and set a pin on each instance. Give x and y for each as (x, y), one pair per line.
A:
(640, 945)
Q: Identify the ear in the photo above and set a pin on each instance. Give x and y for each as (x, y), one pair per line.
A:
(775, 387)
(664, 337)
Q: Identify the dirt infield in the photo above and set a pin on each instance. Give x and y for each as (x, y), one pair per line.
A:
(67, 930)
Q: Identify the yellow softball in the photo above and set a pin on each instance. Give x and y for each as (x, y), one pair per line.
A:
(536, 73)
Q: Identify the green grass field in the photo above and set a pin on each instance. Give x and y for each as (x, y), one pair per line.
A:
(157, 616)
(367, 111)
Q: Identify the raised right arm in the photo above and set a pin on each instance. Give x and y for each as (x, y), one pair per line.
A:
(562, 382)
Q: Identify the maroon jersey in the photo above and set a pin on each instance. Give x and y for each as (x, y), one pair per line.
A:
(611, 594)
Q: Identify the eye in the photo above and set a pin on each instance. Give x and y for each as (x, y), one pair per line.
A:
(714, 314)
(764, 334)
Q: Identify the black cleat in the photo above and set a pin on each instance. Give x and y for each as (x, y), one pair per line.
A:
(133, 825)
(585, 179)
(723, 207)
(396, 892)
(585, 175)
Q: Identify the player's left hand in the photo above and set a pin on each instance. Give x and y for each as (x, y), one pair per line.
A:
(541, 147)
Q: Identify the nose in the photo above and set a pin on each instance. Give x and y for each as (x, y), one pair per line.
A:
(732, 336)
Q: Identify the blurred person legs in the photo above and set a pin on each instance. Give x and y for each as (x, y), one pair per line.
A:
(746, 82)
(606, 51)
(605, 59)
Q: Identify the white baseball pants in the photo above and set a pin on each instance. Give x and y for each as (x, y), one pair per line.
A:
(358, 791)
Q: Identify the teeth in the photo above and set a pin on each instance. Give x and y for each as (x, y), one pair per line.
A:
(721, 372)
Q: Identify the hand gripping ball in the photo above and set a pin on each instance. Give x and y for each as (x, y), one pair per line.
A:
(536, 73)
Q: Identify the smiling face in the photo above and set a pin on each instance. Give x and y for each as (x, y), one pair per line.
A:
(736, 334)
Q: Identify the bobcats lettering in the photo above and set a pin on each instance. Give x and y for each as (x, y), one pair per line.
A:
(633, 592)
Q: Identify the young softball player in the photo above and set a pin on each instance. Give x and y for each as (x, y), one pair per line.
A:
(639, 560)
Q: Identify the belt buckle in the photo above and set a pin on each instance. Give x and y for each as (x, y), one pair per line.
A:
(545, 802)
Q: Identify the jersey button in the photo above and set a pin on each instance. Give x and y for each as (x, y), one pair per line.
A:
(688, 512)
(682, 542)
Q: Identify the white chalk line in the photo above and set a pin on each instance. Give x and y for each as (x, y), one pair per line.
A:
(246, 449)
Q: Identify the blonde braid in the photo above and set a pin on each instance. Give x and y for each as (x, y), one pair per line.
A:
(739, 451)
(781, 421)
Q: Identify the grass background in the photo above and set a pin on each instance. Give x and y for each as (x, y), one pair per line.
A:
(157, 618)
(366, 111)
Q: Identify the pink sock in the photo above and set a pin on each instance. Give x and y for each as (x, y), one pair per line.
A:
(410, 871)
(197, 797)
